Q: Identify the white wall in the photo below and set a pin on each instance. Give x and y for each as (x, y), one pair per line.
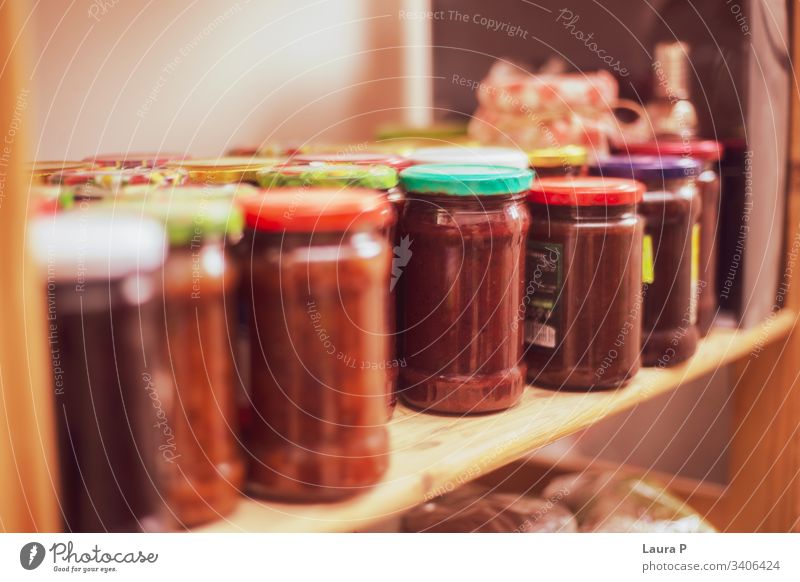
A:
(205, 75)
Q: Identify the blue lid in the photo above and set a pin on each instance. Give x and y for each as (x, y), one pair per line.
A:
(465, 179)
(646, 168)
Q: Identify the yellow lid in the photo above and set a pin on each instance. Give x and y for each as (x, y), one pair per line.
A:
(227, 170)
(571, 155)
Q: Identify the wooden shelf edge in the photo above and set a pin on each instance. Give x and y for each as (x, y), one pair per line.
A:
(434, 454)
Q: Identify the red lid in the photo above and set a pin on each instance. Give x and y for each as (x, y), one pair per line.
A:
(135, 159)
(702, 149)
(586, 191)
(316, 210)
(355, 158)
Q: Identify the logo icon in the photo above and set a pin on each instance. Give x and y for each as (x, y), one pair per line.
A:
(31, 555)
(402, 255)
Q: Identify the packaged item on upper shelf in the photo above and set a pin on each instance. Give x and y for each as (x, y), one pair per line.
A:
(584, 281)
(671, 252)
(609, 502)
(317, 265)
(101, 273)
(471, 509)
(134, 159)
(530, 111)
(708, 152)
(670, 111)
(462, 287)
(484, 156)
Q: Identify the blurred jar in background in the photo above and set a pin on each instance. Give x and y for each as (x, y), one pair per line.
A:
(102, 312)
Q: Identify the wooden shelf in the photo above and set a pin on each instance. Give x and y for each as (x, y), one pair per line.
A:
(434, 454)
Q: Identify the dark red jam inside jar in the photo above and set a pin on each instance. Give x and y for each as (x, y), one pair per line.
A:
(316, 273)
(708, 153)
(582, 302)
(671, 211)
(103, 311)
(461, 286)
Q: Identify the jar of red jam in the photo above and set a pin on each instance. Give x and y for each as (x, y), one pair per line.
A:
(462, 287)
(363, 177)
(671, 252)
(103, 309)
(559, 161)
(582, 302)
(317, 266)
(707, 152)
(204, 470)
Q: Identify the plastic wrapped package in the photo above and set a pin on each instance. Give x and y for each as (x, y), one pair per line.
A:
(470, 509)
(608, 502)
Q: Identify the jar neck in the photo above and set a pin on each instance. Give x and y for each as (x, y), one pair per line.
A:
(466, 202)
(579, 213)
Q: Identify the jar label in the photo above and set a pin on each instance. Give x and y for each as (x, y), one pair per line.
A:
(648, 272)
(695, 274)
(545, 278)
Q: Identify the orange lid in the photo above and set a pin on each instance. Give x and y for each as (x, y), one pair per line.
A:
(316, 210)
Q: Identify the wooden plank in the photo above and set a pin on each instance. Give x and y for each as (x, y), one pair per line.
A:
(434, 454)
(27, 499)
(764, 492)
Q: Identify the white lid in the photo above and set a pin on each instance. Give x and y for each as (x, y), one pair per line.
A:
(488, 156)
(96, 245)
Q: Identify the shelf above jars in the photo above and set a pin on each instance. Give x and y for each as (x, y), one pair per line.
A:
(433, 454)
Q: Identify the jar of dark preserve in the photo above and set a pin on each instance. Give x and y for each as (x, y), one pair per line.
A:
(203, 469)
(671, 252)
(583, 291)
(316, 291)
(102, 294)
(361, 177)
(462, 287)
(559, 161)
(708, 152)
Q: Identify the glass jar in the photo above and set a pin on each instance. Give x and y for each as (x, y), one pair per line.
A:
(41, 172)
(481, 155)
(317, 266)
(134, 159)
(107, 183)
(204, 470)
(102, 314)
(559, 161)
(708, 152)
(462, 287)
(671, 210)
(364, 177)
(229, 170)
(582, 302)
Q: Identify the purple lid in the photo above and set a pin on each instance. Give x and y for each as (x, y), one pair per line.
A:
(646, 168)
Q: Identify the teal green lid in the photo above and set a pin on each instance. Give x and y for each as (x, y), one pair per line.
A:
(465, 180)
(187, 221)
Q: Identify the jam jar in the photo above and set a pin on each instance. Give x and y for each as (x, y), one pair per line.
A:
(316, 272)
(462, 288)
(671, 252)
(108, 183)
(707, 152)
(101, 272)
(361, 176)
(134, 159)
(482, 155)
(583, 312)
(204, 469)
(558, 161)
(230, 170)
